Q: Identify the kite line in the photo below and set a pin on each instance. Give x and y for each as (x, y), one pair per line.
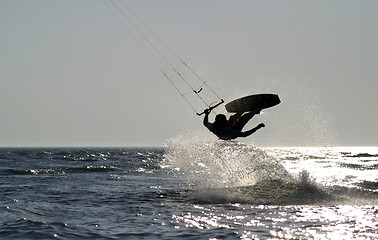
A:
(139, 31)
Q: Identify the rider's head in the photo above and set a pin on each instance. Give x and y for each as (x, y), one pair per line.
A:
(220, 120)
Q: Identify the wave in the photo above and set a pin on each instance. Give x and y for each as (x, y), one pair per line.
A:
(359, 155)
(303, 191)
(88, 169)
(359, 166)
(368, 185)
(232, 172)
(269, 192)
(76, 160)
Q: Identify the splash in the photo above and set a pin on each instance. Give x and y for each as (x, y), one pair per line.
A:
(226, 164)
(233, 172)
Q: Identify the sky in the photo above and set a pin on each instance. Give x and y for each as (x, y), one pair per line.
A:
(72, 75)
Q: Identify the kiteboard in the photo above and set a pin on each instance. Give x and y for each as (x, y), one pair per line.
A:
(251, 102)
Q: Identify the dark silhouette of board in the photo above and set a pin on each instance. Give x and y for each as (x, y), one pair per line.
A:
(251, 102)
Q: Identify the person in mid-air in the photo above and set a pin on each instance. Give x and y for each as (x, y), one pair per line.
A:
(232, 128)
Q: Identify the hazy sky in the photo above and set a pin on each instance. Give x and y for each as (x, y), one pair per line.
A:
(71, 75)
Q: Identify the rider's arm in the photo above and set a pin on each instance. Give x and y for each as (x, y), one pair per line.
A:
(206, 120)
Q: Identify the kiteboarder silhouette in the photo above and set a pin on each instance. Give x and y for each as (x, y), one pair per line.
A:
(232, 128)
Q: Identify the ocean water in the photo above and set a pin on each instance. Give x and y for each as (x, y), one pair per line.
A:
(189, 190)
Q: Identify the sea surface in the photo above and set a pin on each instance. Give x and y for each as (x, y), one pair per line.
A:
(189, 190)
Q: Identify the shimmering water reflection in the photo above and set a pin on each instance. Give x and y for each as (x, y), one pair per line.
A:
(203, 190)
(283, 222)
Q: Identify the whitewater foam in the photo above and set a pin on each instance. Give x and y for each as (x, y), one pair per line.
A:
(223, 164)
